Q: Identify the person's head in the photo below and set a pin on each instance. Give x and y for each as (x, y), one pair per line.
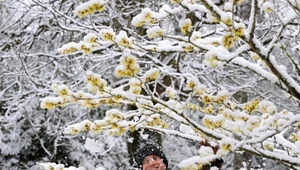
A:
(151, 158)
(153, 162)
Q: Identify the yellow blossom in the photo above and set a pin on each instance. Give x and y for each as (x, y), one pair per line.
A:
(206, 99)
(209, 109)
(228, 40)
(107, 35)
(294, 137)
(225, 146)
(254, 56)
(135, 89)
(239, 29)
(99, 7)
(185, 26)
(85, 125)
(188, 48)
(90, 38)
(267, 7)
(128, 60)
(151, 75)
(251, 106)
(208, 122)
(123, 40)
(85, 48)
(68, 48)
(48, 105)
(90, 103)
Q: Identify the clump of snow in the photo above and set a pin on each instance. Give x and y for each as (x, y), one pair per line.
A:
(171, 93)
(155, 32)
(228, 6)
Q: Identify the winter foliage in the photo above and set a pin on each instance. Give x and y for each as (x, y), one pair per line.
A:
(79, 77)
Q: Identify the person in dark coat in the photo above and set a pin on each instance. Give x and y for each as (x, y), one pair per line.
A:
(151, 157)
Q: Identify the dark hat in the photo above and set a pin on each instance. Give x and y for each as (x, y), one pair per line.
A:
(148, 150)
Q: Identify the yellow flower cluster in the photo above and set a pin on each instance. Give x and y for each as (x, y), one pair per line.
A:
(213, 122)
(151, 75)
(251, 106)
(90, 103)
(193, 107)
(156, 121)
(252, 123)
(267, 107)
(61, 90)
(85, 47)
(68, 48)
(114, 115)
(155, 32)
(75, 129)
(187, 47)
(226, 145)
(123, 40)
(128, 66)
(228, 40)
(90, 38)
(117, 122)
(117, 98)
(95, 82)
(211, 59)
(239, 29)
(185, 26)
(206, 98)
(135, 86)
(221, 97)
(107, 35)
(98, 125)
(52, 102)
(234, 115)
(194, 85)
(90, 7)
(223, 113)
(209, 109)
(114, 123)
(295, 137)
(146, 17)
